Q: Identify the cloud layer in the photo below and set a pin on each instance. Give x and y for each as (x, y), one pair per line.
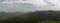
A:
(8, 5)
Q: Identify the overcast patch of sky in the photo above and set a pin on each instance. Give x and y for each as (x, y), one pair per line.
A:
(40, 2)
(49, 3)
(37, 2)
(54, 3)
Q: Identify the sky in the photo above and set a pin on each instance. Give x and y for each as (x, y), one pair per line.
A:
(43, 4)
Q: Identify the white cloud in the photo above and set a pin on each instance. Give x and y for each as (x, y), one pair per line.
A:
(36, 2)
(57, 7)
(11, 7)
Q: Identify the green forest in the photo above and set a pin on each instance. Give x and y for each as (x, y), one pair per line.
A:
(49, 16)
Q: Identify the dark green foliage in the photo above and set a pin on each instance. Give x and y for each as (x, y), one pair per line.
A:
(31, 17)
